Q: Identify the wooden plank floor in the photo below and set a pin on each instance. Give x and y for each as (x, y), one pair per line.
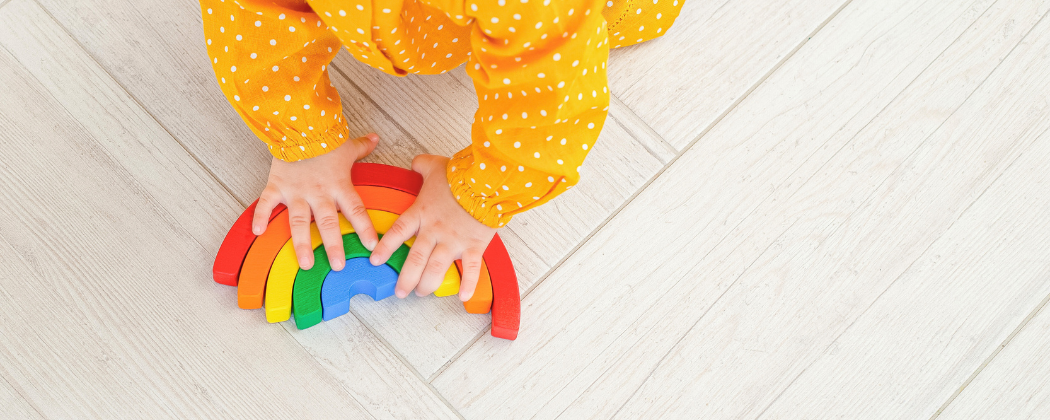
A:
(799, 209)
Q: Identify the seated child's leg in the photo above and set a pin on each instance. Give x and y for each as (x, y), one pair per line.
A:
(636, 21)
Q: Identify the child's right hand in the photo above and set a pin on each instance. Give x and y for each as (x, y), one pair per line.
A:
(320, 187)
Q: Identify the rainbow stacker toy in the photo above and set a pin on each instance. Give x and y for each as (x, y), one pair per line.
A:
(264, 267)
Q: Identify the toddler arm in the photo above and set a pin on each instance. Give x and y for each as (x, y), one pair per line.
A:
(539, 72)
(271, 61)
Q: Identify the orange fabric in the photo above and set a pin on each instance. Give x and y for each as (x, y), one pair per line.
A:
(636, 21)
(538, 68)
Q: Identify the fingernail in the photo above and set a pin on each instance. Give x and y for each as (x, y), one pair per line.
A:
(401, 294)
(257, 230)
(373, 136)
(338, 265)
(374, 261)
(306, 264)
(371, 246)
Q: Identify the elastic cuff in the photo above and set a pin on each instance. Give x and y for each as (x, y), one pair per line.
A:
(292, 152)
(479, 206)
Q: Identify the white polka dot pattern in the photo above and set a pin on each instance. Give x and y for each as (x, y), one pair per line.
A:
(539, 68)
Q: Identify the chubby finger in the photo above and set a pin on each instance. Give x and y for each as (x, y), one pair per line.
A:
(471, 273)
(366, 144)
(299, 222)
(413, 268)
(327, 221)
(406, 226)
(434, 273)
(268, 200)
(354, 211)
(426, 164)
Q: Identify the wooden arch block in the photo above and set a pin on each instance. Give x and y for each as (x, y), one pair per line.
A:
(235, 245)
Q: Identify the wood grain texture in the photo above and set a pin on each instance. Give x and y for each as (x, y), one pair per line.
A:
(822, 274)
(863, 236)
(944, 316)
(799, 129)
(375, 375)
(426, 331)
(437, 111)
(124, 132)
(12, 404)
(628, 121)
(1014, 384)
(953, 306)
(115, 312)
(112, 328)
(155, 50)
(715, 53)
(165, 43)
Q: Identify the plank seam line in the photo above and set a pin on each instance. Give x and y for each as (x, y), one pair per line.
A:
(577, 375)
(685, 149)
(376, 105)
(788, 229)
(522, 241)
(5, 241)
(460, 82)
(672, 288)
(407, 365)
(139, 104)
(479, 334)
(133, 182)
(714, 303)
(648, 130)
(326, 373)
(992, 356)
(4, 3)
(196, 159)
(657, 175)
(895, 280)
(889, 286)
(1016, 330)
(1023, 323)
(397, 124)
(459, 353)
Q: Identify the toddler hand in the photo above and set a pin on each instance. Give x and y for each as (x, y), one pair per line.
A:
(319, 186)
(444, 232)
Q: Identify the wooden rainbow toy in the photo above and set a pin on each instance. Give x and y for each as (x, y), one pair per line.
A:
(264, 267)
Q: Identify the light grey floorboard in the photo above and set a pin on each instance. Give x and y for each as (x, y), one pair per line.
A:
(437, 111)
(115, 313)
(820, 278)
(834, 209)
(111, 213)
(190, 106)
(611, 315)
(156, 51)
(12, 404)
(1014, 383)
(713, 56)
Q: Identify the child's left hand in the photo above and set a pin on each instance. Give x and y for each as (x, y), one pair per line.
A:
(444, 233)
